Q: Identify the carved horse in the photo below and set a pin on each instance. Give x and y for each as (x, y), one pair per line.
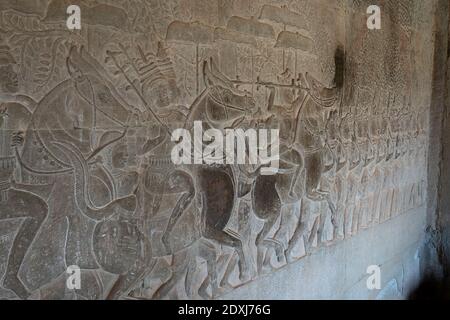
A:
(61, 148)
(219, 106)
(270, 192)
(302, 148)
(310, 134)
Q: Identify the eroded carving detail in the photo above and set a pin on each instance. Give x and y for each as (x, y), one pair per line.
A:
(85, 124)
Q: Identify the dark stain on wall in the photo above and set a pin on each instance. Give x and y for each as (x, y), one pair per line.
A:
(339, 61)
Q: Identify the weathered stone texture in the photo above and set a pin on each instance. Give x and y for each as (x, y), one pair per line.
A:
(86, 176)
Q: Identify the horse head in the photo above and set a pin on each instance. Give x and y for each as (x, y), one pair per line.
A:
(226, 103)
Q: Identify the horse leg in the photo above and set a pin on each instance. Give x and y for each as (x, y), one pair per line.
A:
(164, 289)
(314, 170)
(209, 254)
(122, 285)
(294, 182)
(211, 278)
(189, 280)
(298, 233)
(177, 182)
(182, 204)
(232, 241)
(180, 268)
(261, 238)
(285, 186)
(126, 281)
(278, 246)
(313, 234)
(228, 271)
(294, 157)
(22, 242)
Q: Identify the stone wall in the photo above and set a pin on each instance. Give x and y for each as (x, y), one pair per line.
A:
(436, 269)
(87, 178)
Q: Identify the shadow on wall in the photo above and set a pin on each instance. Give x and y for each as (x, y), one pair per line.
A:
(431, 288)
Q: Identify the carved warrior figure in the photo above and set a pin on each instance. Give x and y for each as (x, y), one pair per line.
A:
(15, 200)
(222, 106)
(303, 147)
(269, 193)
(94, 190)
(310, 136)
(60, 148)
(219, 106)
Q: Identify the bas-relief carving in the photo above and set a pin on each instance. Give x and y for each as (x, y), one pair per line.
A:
(85, 171)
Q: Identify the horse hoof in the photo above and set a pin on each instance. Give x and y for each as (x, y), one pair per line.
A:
(244, 276)
(204, 294)
(289, 258)
(224, 284)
